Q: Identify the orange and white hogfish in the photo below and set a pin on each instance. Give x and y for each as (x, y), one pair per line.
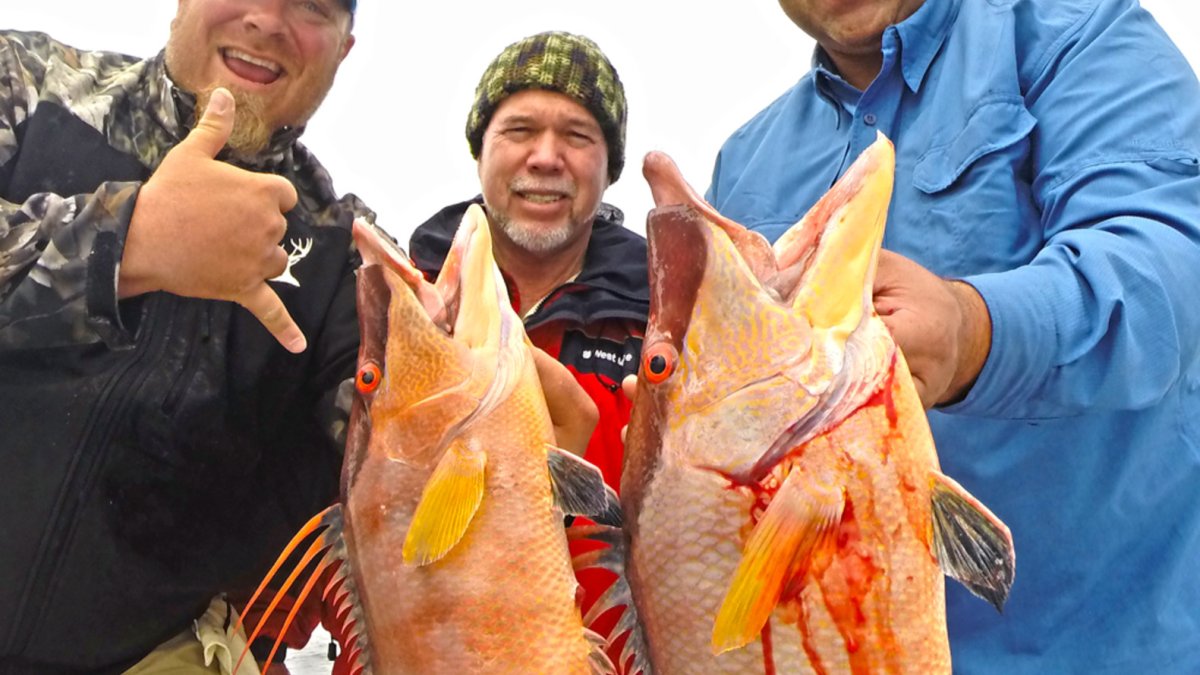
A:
(783, 504)
(450, 526)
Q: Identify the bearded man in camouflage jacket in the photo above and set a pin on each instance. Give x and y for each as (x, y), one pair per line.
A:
(176, 316)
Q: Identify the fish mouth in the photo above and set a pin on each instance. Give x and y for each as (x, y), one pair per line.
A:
(481, 319)
(377, 249)
(833, 247)
(820, 273)
(469, 298)
(837, 244)
(823, 266)
(258, 70)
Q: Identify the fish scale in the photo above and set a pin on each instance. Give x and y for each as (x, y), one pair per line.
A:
(785, 509)
(678, 593)
(485, 586)
(449, 532)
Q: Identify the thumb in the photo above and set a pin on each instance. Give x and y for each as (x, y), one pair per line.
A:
(214, 127)
(266, 306)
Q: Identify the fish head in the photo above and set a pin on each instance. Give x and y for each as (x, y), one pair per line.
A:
(751, 350)
(433, 355)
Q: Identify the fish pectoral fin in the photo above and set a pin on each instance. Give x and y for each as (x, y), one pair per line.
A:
(800, 518)
(448, 503)
(579, 488)
(972, 544)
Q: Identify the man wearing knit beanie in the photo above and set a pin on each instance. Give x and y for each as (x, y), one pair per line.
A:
(568, 64)
(548, 130)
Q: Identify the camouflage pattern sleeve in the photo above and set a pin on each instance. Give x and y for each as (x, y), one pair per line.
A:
(58, 253)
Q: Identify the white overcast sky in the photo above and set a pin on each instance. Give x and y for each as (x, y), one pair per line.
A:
(392, 128)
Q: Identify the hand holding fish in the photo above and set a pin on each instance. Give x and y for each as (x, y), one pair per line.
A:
(943, 327)
(206, 229)
(572, 412)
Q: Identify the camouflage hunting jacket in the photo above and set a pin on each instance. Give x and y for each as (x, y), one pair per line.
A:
(159, 449)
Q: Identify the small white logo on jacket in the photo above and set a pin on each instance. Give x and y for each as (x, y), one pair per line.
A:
(299, 250)
(611, 357)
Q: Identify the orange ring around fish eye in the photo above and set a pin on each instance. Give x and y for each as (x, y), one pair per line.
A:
(658, 362)
(368, 378)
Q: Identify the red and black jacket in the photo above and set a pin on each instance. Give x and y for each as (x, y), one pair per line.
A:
(593, 325)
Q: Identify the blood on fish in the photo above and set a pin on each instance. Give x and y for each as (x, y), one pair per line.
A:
(852, 576)
(885, 396)
(768, 650)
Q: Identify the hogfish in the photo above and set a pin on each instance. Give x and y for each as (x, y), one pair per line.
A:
(783, 503)
(450, 528)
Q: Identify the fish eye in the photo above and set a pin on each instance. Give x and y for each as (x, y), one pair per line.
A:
(368, 378)
(658, 362)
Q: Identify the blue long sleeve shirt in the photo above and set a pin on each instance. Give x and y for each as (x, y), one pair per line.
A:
(1046, 153)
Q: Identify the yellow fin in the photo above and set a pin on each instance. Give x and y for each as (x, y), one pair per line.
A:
(799, 518)
(448, 503)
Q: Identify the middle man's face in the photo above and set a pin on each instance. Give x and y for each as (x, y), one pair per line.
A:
(543, 169)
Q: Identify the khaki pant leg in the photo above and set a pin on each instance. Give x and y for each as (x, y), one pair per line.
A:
(181, 655)
(184, 654)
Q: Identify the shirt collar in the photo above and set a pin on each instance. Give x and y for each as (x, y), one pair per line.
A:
(920, 37)
(831, 85)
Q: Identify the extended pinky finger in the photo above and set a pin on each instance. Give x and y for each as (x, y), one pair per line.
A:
(266, 306)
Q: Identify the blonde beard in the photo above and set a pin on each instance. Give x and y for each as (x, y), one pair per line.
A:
(251, 134)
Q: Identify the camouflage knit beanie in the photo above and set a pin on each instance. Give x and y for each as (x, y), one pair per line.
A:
(568, 64)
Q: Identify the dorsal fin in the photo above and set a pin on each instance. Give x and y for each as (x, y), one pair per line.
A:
(325, 548)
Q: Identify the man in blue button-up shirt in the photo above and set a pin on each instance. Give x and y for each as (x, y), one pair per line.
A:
(1048, 190)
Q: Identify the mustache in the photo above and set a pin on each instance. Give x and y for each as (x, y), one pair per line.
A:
(528, 184)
